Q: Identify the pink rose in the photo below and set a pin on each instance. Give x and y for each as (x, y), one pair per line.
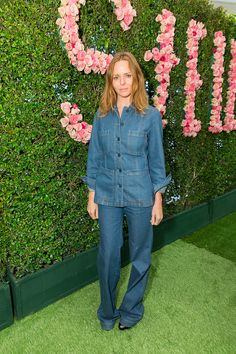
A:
(128, 19)
(119, 12)
(69, 127)
(80, 134)
(124, 26)
(84, 125)
(73, 118)
(62, 11)
(66, 106)
(64, 122)
(80, 65)
(87, 69)
(81, 55)
(74, 37)
(74, 9)
(68, 46)
(124, 3)
(148, 55)
(89, 128)
(60, 22)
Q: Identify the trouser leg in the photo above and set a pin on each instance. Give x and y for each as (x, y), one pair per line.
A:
(108, 262)
(140, 247)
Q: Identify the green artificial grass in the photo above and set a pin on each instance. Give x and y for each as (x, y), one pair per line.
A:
(218, 238)
(190, 307)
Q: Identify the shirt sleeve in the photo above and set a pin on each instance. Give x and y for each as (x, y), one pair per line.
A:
(94, 157)
(156, 159)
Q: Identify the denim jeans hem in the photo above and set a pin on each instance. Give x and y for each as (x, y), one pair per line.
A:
(128, 323)
(107, 326)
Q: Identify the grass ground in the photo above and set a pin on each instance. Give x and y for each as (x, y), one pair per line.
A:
(190, 306)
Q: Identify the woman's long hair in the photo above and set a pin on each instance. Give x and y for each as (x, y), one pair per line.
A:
(139, 97)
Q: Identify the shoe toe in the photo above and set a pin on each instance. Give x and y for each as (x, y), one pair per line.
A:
(122, 328)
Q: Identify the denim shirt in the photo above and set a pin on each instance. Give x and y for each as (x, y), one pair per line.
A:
(126, 164)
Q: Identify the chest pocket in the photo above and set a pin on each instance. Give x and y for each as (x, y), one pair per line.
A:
(104, 139)
(136, 142)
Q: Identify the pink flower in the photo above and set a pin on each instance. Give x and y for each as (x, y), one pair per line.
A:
(218, 69)
(195, 32)
(81, 55)
(81, 59)
(124, 26)
(60, 22)
(73, 118)
(124, 3)
(62, 11)
(164, 58)
(119, 13)
(87, 70)
(66, 106)
(128, 19)
(74, 9)
(64, 122)
(88, 60)
(77, 129)
(230, 121)
(148, 55)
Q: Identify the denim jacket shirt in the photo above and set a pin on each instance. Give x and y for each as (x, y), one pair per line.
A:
(126, 164)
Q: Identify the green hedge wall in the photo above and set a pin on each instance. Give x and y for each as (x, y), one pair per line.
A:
(43, 201)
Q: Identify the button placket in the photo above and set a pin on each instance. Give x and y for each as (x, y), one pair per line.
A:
(119, 183)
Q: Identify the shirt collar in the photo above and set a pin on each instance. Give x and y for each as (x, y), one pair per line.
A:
(127, 108)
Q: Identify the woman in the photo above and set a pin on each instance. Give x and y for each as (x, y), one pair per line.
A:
(125, 176)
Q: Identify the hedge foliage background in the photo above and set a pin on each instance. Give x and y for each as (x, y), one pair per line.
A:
(43, 201)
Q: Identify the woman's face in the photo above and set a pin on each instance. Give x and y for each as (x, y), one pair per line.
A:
(122, 79)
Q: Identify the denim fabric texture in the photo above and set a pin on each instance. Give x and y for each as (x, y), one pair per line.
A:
(131, 309)
(126, 164)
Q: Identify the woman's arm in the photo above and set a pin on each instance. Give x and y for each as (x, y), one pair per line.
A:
(156, 159)
(94, 157)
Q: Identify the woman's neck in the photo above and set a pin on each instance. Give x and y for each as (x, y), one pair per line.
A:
(123, 102)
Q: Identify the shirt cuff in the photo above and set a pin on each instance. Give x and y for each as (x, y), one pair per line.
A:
(161, 187)
(90, 182)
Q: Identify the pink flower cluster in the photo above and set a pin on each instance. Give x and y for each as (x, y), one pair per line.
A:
(124, 13)
(230, 121)
(218, 70)
(165, 58)
(195, 32)
(84, 60)
(78, 130)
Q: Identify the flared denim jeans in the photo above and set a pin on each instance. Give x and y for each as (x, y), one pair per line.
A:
(109, 262)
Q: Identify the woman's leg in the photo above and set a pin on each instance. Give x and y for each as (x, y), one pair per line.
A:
(108, 262)
(140, 247)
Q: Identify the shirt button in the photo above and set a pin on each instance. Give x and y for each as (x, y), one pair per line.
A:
(118, 154)
(120, 170)
(118, 138)
(120, 185)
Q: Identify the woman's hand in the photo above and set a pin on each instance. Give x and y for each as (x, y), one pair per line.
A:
(92, 207)
(157, 211)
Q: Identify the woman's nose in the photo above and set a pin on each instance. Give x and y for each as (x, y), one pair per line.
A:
(122, 80)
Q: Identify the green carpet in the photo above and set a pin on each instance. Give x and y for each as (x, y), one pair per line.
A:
(190, 308)
(219, 238)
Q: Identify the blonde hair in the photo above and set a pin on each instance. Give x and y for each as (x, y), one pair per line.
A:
(139, 97)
